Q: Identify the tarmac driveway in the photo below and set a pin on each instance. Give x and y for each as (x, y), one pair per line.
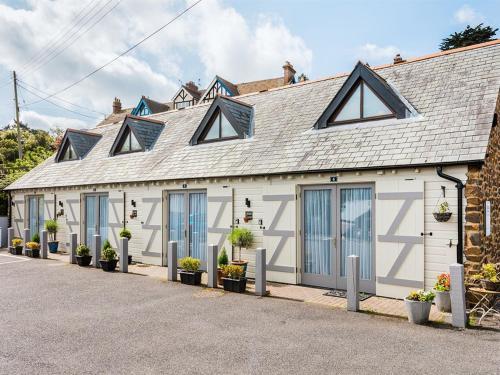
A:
(56, 318)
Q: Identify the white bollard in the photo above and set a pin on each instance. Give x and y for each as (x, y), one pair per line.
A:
(43, 244)
(457, 294)
(124, 254)
(212, 266)
(260, 272)
(10, 236)
(96, 250)
(353, 283)
(172, 260)
(73, 243)
(26, 238)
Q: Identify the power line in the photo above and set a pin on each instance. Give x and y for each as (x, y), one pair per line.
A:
(122, 54)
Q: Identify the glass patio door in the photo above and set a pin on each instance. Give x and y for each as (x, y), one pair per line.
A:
(187, 223)
(96, 217)
(35, 214)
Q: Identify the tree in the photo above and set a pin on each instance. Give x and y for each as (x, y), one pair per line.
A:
(470, 36)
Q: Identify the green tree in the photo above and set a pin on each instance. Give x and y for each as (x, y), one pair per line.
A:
(470, 36)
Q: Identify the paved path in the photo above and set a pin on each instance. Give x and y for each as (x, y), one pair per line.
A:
(57, 318)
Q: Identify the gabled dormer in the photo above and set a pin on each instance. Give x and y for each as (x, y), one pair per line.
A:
(187, 96)
(364, 96)
(219, 86)
(225, 119)
(76, 144)
(135, 135)
(148, 106)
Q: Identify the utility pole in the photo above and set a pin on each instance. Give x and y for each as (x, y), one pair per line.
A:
(18, 125)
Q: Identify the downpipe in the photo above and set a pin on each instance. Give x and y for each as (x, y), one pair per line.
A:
(460, 188)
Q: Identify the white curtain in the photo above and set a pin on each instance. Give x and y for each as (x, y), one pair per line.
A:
(176, 222)
(356, 228)
(317, 231)
(198, 225)
(90, 218)
(103, 218)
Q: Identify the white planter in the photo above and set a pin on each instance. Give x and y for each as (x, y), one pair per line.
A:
(443, 301)
(418, 312)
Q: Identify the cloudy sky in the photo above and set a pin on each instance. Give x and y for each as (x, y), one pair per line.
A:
(52, 44)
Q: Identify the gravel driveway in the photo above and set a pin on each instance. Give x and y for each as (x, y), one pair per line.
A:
(56, 318)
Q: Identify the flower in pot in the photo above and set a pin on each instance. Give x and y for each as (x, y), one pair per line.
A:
(108, 259)
(234, 279)
(83, 256)
(489, 280)
(442, 291)
(190, 273)
(126, 233)
(33, 249)
(418, 305)
(241, 238)
(443, 212)
(17, 246)
(222, 261)
(51, 227)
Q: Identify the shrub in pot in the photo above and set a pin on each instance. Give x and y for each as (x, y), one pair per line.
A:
(234, 279)
(222, 261)
(125, 233)
(108, 259)
(190, 273)
(36, 238)
(33, 249)
(51, 227)
(418, 305)
(241, 238)
(443, 212)
(442, 291)
(489, 280)
(83, 257)
(17, 246)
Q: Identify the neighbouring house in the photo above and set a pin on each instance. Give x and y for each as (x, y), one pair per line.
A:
(318, 170)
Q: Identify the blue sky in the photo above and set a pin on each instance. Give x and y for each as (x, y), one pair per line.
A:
(240, 40)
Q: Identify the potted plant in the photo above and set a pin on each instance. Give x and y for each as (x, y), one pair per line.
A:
(108, 259)
(234, 279)
(222, 261)
(51, 227)
(241, 237)
(443, 212)
(33, 249)
(128, 235)
(36, 238)
(418, 305)
(442, 291)
(190, 273)
(489, 280)
(17, 246)
(83, 257)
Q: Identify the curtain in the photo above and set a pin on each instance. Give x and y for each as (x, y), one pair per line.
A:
(90, 218)
(41, 221)
(33, 216)
(198, 225)
(356, 229)
(176, 222)
(317, 231)
(103, 218)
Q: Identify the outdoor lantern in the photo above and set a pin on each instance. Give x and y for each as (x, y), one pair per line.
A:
(133, 203)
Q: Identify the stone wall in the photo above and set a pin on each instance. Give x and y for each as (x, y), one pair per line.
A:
(483, 183)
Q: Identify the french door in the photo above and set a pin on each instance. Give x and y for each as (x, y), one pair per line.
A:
(96, 217)
(187, 223)
(35, 214)
(337, 221)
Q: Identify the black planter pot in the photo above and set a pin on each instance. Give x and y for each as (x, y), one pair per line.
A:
(18, 250)
(83, 260)
(191, 278)
(33, 253)
(232, 285)
(130, 259)
(442, 216)
(108, 265)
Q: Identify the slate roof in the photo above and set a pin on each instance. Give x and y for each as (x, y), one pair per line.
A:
(82, 141)
(146, 131)
(454, 94)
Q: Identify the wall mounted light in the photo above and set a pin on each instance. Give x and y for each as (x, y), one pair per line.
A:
(133, 203)
(61, 204)
(12, 203)
(247, 202)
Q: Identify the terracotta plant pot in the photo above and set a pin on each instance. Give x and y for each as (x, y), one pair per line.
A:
(443, 301)
(219, 276)
(418, 312)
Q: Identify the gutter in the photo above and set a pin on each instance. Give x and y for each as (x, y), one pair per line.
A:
(460, 187)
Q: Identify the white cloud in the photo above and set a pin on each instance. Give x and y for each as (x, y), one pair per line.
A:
(375, 54)
(212, 38)
(39, 121)
(468, 15)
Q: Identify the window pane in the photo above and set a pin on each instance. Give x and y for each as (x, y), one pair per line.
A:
(126, 144)
(351, 109)
(213, 133)
(227, 128)
(41, 221)
(176, 222)
(135, 145)
(103, 218)
(372, 105)
(90, 203)
(69, 154)
(198, 225)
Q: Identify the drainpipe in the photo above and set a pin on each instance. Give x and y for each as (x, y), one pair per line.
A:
(9, 210)
(460, 187)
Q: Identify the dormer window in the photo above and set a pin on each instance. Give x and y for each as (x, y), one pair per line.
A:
(69, 153)
(129, 143)
(219, 129)
(361, 105)
(136, 134)
(76, 144)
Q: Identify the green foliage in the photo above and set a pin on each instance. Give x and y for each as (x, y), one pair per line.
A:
(233, 272)
(108, 254)
(33, 245)
(126, 233)
(51, 227)
(470, 36)
(444, 208)
(106, 245)
(222, 259)
(489, 272)
(241, 237)
(82, 250)
(190, 264)
(421, 295)
(35, 238)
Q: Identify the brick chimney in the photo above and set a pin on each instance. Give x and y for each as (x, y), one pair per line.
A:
(117, 105)
(192, 86)
(398, 59)
(288, 73)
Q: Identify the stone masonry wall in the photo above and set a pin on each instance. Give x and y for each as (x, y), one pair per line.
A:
(483, 183)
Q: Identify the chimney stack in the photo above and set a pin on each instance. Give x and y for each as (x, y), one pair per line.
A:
(117, 105)
(288, 73)
(398, 59)
(192, 86)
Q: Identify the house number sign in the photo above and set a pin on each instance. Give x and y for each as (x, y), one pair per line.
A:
(487, 218)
